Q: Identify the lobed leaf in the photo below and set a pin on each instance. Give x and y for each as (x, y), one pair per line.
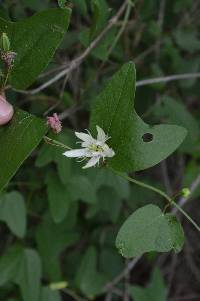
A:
(137, 145)
(148, 229)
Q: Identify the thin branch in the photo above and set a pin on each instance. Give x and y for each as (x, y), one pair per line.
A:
(123, 274)
(73, 294)
(75, 63)
(108, 296)
(146, 52)
(118, 36)
(186, 298)
(165, 79)
(78, 61)
(160, 25)
(68, 112)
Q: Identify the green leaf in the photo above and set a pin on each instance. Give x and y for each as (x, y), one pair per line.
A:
(156, 290)
(105, 177)
(100, 13)
(88, 279)
(187, 39)
(110, 262)
(148, 229)
(45, 156)
(62, 3)
(48, 154)
(35, 4)
(175, 112)
(13, 212)
(137, 145)
(50, 249)
(29, 275)
(35, 41)
(176, 231)
(101, 50)
(9, 264)
(108, 206)
(59, 197)
(49, 295)
(23, 267)
(82, 6)
(85, 192)
(18, 139)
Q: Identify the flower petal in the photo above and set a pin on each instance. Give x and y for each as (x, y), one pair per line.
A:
(84, 137)
(101, 136)
(92, 162)
(108, 151)
(79, 153)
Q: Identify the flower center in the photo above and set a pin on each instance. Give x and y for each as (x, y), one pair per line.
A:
(95, 148)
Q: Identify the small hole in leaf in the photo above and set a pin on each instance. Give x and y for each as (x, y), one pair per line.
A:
(148, 137)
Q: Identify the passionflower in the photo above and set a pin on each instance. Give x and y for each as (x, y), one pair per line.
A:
(92, 149)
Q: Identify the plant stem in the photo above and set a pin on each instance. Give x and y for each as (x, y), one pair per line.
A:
(73, 294)
(6, 80)
(144, 185)
(186, 215)
(126, 18)
(162, 193)
(55, 143)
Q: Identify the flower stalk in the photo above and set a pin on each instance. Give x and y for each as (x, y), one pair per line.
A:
(55, 143)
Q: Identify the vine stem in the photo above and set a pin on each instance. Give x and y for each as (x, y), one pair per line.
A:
(55, 143)
(6, 80)
(162, 193)
(139, 183)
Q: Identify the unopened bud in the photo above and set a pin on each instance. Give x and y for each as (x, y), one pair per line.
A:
(4, 42)
(186, 192)
(8, 57)
(54, 123)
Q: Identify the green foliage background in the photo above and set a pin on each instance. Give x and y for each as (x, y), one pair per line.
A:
(58, 222)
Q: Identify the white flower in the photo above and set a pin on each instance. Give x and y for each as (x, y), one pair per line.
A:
(93, 149)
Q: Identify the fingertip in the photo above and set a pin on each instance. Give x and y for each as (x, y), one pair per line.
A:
(6, 111)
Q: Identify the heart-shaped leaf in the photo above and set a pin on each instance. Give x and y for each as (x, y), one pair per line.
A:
(137, 145)
(17, 141)
(35, 41)
(148, 229)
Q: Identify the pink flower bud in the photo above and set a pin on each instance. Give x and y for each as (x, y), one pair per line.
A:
(8, 57)
(54, 123)
(6, 111)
